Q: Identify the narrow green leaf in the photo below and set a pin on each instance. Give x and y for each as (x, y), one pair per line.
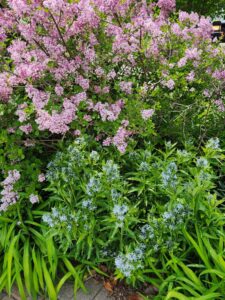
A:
(62, 281)
(26, 266)
(38, 268)
(49, 284)
(176, 295)
(10, 254)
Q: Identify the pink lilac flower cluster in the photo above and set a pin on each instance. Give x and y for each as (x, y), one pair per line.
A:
(126, 87)
(167, 5)
(120, 139)
(170, 84)
(21, 112)
(9, 196)
(147, 113)
(191, 76)
(26, 128)
(220, 105)
(109, 112)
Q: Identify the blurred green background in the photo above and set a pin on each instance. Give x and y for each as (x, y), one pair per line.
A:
(204, 7)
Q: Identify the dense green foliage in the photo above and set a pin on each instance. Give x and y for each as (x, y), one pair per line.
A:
(207, 7)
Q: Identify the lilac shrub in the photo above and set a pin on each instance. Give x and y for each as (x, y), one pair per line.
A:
(103, 67)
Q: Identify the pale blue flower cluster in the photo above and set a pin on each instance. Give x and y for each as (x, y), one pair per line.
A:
(54, 167)
(93, 186)
(120, 212)
(111, 171)
(115, 195)
(175, 217)
(204, 176)
(94, 156)
(62, 167)
(169, 177)
(128, 263)
(59, 218)
(213, 143)
(202, 162)
(133, 155)
(147, 232)
(144, 166)
(183, 153)
(88, 204)
(75, 155)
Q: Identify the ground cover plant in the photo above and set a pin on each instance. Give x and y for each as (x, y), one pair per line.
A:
(112, 128)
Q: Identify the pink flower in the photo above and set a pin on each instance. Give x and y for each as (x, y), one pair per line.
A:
(39, 98)
(9, 196)
(206, 93)
(41, 177)
(167, 5)
(182, 62)
(106, 90)
(111, 75)
(220, 105)
(11, 130)
(126, 87)
(193, 53)
(13, 177)
(125, 123)
(147, 113)
(21, 113)
(191, 76)
(87, 118)
(84, 83)
(170, 84)
(120, 139)
(33, 199)
(59, 90)
(109, 112)
(99, 72)
(107, 142)
(26, 128)
(192, 17)
(77, 132)
(54, 5)
(5, 87)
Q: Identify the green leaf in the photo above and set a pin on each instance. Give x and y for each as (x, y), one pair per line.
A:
(49, 284)
(10, 254)
(26, 266)
(62, 281)
(176, 295)
(38, 268)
